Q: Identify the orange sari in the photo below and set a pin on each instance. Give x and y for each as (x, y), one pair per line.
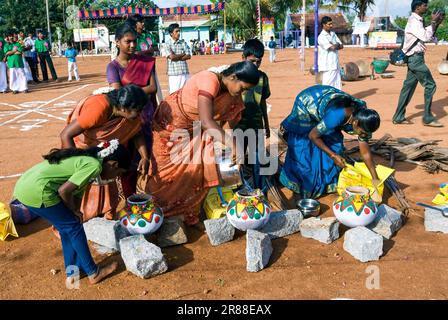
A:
(180, 188)
(101, 200)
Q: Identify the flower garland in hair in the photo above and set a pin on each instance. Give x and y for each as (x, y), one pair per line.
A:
(108, 147)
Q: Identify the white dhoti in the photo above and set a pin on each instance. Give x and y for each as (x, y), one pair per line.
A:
(271, 55)
(332, 78)
(29, 76)
(72, 66)
(17, 79)
(3, 80)
(177, 82)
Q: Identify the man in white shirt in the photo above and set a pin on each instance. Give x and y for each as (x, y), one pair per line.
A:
(414, 47)
(179, 53)
(329, 46)
(31, 56)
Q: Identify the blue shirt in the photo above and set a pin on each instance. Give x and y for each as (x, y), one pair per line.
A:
(71, 54)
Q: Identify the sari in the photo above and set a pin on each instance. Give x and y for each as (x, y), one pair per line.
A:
(101, 200)
(308, 170)
(180, 186)
(138, 72)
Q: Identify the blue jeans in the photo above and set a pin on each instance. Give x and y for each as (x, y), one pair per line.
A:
(74, 241)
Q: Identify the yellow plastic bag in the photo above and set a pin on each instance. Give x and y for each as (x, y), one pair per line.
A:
(359, 175)
(7, 226)
(442, 197)
(212, 204)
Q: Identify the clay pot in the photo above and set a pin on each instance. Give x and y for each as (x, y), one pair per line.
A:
(351, 72)
(248, 210)
(355, 207)
(141, 215)
(364, 68)
(443, 67)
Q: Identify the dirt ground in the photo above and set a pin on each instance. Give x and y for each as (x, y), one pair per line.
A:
(414, 266)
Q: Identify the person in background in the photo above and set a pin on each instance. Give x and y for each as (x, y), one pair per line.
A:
(145, 40)
(43, 48)
(208, 47)
(255, 114)
(26, 67)
(53, 188)
(271, 46)
(31, 56)
(216, 47)
(329, 46)
(13, 54)
(179, 53)
(70, 54)
(414, 46)
(221, 47)
(3, 78)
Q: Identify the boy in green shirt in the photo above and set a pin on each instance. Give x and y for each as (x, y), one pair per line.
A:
(255, 115)
(145, 41)
(3, 80)
(43, 48)
(13, 53)
(53, 190)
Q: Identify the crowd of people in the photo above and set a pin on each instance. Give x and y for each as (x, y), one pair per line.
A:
(129, 133)
(22, 56)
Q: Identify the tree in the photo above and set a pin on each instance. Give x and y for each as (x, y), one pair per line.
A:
(359, 6)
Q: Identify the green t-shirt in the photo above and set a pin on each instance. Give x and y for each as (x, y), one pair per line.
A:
(2, 47)
(145, 41)
(252, 116)
(14, 60)
(39, 185)
(42, 46)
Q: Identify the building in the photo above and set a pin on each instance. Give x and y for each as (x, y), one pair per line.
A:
(193, 26)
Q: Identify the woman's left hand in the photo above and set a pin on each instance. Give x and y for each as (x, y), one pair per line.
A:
(143, 166)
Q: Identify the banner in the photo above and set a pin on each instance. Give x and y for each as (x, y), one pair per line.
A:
(99, 35)
(383, 39)
(118, 13)
(268, 28)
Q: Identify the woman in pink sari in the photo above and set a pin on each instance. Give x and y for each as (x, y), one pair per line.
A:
(132, 68)
(183, 166)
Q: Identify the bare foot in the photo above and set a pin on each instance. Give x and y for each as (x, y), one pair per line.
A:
(103, 272)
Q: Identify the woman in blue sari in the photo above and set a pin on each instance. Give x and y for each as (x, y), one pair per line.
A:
(313, 132)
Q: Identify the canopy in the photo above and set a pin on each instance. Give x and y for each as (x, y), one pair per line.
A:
(118, 13)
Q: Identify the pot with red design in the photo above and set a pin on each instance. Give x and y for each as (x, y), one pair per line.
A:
(248, 210)
(141, 215)
(355, 207)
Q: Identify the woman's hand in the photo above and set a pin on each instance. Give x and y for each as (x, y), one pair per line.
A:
(339, 161)
(143, 166)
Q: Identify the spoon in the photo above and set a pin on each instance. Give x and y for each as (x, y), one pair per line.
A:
(444, 211)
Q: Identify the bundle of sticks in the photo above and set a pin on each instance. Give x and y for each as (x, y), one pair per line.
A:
(422, 153)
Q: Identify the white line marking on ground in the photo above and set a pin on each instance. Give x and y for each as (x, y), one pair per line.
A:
(11, 176)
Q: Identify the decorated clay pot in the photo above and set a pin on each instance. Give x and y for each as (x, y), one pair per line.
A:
(248, 210)
(141, 215)
(355, 207)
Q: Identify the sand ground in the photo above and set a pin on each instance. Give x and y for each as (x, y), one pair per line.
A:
(413, 267)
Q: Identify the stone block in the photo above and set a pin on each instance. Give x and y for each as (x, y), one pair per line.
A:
(324, 230)
(107, 233)
(219, 231)
(258, 250)
(172, 232)
(363, 244)
(435, 221)
(141, 257)
(283, 223)
(387, 222)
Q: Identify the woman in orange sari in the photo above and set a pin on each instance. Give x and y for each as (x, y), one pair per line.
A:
(132, 68)
(100, 118)
(180, 183)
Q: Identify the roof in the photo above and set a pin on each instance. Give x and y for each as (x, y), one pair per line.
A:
(340, 22)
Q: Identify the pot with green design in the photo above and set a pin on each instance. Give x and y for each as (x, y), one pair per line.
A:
(141, 215)
(355, 207)
(248, 210)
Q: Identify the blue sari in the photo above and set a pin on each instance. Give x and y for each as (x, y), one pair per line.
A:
(308, 170)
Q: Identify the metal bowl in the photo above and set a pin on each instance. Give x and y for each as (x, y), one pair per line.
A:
(230, 175)
(309, 207)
